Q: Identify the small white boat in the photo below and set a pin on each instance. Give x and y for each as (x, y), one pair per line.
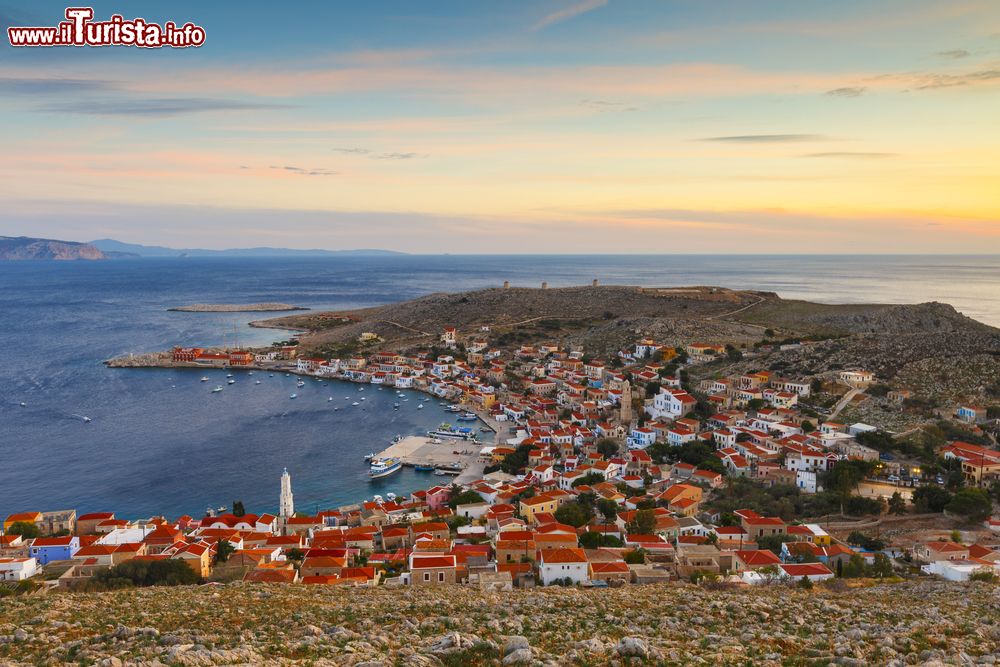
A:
(361, 388)
(229, 375)
(256, 382)
(420, 407)
(217, 389)
(330, 399)
(87, 420)
(362, 398)
(369, 456)
(23, 404)
(250, 373)
(300, 383)
(355, 403)
(395, 406)
(335, 409)
(294, 396)
(204, 378)
(270, 375)
(390, 496)
(231, 382)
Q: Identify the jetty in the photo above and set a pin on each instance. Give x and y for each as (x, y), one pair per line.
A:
(461, 456)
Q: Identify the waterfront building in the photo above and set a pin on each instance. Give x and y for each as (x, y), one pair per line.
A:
(286, 502)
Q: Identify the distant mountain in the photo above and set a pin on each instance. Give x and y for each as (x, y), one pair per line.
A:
(111, 245)
(18, 248)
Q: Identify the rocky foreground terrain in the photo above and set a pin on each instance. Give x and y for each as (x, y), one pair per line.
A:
(916, 622)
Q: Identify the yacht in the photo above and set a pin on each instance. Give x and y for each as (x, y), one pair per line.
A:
(467, 417)
(449, 431)
(204, 378)
(217, 389)
(384, 467)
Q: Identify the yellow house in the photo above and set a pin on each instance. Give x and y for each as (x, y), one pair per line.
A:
(540, 504)
(21, 517)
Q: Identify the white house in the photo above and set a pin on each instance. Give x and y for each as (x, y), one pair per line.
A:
(555, 565)
(640, 438)
(671, 403)
(17, 569)
(806, 480)
(956, 570)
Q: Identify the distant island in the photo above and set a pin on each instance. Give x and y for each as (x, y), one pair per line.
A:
(21, 248)
(235, 308)
(138, 250)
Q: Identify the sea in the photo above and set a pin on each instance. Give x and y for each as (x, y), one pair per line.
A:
(159, 442)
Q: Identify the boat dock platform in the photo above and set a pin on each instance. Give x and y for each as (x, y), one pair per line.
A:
(419, 450)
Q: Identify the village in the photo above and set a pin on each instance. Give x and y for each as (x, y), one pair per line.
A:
(605, 473)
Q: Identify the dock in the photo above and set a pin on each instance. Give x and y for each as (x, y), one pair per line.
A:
(419, 450)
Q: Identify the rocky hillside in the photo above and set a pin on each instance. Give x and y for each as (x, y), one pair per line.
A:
(918, 622)
(27, 248)
(605, 318)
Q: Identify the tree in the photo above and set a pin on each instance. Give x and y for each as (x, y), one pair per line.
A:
(135, 572)
(635, 556)
(573, 514)
(897, 504)
(816, 386)
(295, 554)
(805, 583)
(25, 529)
(238, 508)
(881, 567)
(607, 448)
(855, 567)
(930, 498)
(733, 354)
(808, 426)
(589, 479)
(466, 497)
(972, 503)
(845, 476)
(223, 550)
(773, 542)
(645, 522)
(755, 404)
(608, 509)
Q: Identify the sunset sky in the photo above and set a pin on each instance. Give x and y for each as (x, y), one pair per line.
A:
(558, 126)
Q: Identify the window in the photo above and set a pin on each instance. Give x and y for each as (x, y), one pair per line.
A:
(441, 577)
(427, 576)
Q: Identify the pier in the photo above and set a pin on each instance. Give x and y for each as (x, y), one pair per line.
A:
(420, 450)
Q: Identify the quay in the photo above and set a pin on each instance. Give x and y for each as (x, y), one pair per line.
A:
(417, 450)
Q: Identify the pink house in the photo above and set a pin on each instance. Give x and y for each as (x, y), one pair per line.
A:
(437, 497)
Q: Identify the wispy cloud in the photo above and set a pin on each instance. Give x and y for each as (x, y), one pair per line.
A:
(52, 86)
(856, 155)
(847, 92)
(606, 106)
(304, 172)
(767, 138)
(568, 13)
(954, 54)
(154, 107)
(932, 81)
(380, 156)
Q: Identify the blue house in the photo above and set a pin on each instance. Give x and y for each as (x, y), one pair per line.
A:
(48, 549)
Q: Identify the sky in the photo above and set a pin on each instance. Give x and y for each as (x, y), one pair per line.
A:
(552, 126)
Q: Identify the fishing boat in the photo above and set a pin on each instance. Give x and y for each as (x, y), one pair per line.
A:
(423, 468)
(384, 467)
(467, 417)
(369, 456)
(449, 431)
(453, 408)
(217, 389)
(294, 396)
(204, 378)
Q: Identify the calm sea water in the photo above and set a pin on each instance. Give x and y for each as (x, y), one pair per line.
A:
(159, 442)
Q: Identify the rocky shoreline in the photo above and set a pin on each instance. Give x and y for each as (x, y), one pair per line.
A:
(236, 308)
(913, 622)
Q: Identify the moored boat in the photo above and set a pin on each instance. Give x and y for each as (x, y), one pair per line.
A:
(384, 467)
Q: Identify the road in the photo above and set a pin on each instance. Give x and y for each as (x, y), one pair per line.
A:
(738, 310)
(842, 403)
